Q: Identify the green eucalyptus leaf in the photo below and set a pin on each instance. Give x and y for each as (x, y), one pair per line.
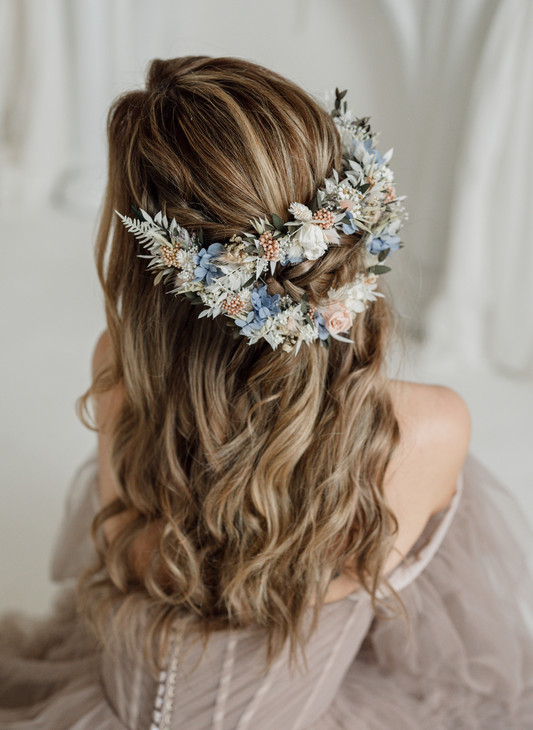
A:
(382, 255)
(278, 223)
(378, 270)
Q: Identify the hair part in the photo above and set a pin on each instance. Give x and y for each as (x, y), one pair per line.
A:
(264, 469)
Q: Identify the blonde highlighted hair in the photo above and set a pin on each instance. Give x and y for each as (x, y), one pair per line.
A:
(264, 470)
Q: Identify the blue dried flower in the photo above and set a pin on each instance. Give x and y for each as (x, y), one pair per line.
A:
(321, 326)
(205, 269)
(264, 306)
(375, 154)
(350, 227)
(384, 242)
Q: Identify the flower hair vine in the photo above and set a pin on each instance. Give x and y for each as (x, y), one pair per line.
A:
(228, 277)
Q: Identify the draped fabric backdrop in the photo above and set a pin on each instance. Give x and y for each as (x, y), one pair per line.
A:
(449, 84)
(485, 310)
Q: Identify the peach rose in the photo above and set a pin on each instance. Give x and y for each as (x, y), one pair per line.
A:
(291, 324)
(347, 204)
(338, 318)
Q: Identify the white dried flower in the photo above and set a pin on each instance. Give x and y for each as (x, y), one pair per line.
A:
(354, 295)
(186, 262)
(300, 212)
(312, 239)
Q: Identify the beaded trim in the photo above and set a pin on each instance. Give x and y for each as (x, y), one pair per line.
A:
(164, 700)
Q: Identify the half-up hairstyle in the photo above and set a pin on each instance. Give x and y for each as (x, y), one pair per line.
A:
(263, 469)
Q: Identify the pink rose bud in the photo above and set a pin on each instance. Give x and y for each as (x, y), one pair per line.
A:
(338, 318)
(291, 324)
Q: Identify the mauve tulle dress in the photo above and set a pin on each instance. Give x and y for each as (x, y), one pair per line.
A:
(463, 661)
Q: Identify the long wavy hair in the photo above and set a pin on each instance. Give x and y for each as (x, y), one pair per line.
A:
(263, 470)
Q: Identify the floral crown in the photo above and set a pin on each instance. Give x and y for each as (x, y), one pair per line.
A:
(229, 278)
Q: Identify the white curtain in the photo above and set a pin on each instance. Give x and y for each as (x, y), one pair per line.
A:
(448, 83)
(34, 104)
(485, 311)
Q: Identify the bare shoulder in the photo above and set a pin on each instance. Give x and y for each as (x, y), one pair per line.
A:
(107, 403)
(101, 353)
(107, 407)
(431, 415)
(435, 435)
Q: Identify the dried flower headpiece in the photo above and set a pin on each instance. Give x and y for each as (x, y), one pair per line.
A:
(228, 278)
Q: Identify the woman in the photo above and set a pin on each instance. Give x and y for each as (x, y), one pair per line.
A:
(284, 537)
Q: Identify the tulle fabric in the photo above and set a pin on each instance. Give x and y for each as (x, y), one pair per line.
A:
(50, 674)
(463, 661)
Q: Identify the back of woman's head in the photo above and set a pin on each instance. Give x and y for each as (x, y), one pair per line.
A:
(263, 468)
